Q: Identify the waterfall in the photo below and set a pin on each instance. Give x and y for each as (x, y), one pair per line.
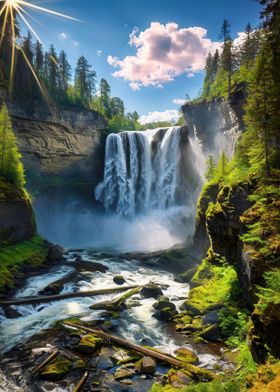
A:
(141, 171)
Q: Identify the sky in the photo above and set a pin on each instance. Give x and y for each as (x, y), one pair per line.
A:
(152, 52)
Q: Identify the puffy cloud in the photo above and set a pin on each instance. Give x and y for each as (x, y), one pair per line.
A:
(67, 37)
(179, 101)
(99, 53)
(166, 115)
(162, 53)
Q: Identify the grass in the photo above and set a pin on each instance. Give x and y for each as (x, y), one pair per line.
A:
(13, 257)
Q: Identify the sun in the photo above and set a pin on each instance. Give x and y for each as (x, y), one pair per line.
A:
(12, 8)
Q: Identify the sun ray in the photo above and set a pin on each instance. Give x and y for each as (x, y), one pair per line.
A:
(4, 27)
(40, 85)
(37, 7)
(13, 46)
(27, 23)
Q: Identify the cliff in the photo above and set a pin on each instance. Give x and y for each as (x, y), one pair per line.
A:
(217, 123)
(58, 144)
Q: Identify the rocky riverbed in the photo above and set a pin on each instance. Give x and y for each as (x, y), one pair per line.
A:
(30, 333)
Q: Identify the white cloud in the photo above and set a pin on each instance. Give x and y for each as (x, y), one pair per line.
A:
(166, 115)
(179, 101)
(162, 53)
(66, 37)
(99, 53)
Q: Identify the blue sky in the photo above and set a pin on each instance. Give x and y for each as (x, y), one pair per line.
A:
(109, 23)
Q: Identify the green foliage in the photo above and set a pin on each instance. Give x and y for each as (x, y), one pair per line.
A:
(233, 323)
(13, 257)
(10, 158)
(211, 167)
(270, 294)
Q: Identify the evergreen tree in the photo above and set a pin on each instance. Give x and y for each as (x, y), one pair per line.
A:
(23, 71)
(222, 166)
(85, 81)
(215, 65)
(105, 95)
(208, 75)
(52, 71)
(10, 158)
(117, 107)
(211, 167)
(249, 48)
(64, 75)
(39, 59)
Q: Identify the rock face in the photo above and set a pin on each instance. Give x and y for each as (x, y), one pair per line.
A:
(216, 123)
(16, 216)
(64, 142)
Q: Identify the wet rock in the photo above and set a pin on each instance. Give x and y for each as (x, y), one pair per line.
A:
(185, 277)
(179, 379)
(147, 342)
(148, 365)
(151, 290)
(211, 333)
(119, 279)
(211, 318)
(186, 355)
(11, 313)
(89, 344)
(55, 253)
(104, 360)
(57, 369)
(165, 313)
(123, 373)
(190, 309)
(82, 265)
(163, 303)
(57, 286)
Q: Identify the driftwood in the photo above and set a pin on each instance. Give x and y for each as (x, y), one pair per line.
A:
(131, 346)
(81, 383)
(58, 297)
(116, 303)
(45, 362)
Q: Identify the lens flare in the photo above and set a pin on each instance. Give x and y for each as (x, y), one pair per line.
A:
(11, 9)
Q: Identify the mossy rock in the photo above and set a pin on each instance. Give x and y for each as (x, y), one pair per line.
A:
(186, 355)
(57, 369)
(89, 344)
(79, 364)
(179, 378)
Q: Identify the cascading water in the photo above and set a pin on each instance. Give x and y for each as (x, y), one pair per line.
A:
(138, 175)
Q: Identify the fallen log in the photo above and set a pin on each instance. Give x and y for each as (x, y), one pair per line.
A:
(116, 303)
(193, 371)
(131, 346)
(81, 383)
(45, 362)
(58, 297)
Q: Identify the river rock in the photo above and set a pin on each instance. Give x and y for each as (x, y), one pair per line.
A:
(119, 279)
(190, 309)
(148, 365)
(165, 313)
(55, 253)
(89, 344)
(163, 303)
(179, 379)
(186, 355)
(82, 265)
(151, 290)
(123, 373)
(211, 333)
(56, 369)
(11, 313)
(211, 318)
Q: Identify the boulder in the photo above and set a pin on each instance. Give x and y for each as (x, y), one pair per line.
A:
(82, 265)
(210, 318)
(148, 365)
(55, 253)
(123, 373)
(179, 379)
(162, 303)
(186, 355)
(211, 333)
(151, 290)
(119, 279)
(56, 369)
(89, 344)
(190, 309)
(165, 313)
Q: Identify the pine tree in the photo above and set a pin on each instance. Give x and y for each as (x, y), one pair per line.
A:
(105, 95)
(85, 81)
(215, 65)
(211, 167)
(222, 166)
(23, 71)
(228, 59)
(117, 107)
(208, 75)
(10, 158)
(249, 48)
(39, 59)
(52, 71)
(64, 75)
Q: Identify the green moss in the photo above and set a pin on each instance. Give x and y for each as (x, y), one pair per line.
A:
(30, 253)
(57, 369)
(89, 343)
(215, 289)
